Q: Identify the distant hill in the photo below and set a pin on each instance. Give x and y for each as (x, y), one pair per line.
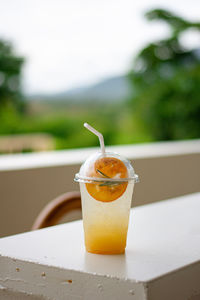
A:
(111, 89)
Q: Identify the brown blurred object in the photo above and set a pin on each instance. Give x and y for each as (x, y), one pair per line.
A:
(56, 209)
(26, 142)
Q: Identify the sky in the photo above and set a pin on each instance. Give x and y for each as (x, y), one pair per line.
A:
(72, 43)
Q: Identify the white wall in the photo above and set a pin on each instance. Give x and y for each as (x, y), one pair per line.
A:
(29, 181)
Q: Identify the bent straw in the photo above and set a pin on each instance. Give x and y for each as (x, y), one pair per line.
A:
(100, 136)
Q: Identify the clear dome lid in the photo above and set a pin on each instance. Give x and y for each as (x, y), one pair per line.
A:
(106, 167)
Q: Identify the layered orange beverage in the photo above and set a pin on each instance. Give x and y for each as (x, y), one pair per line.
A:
(106, 185)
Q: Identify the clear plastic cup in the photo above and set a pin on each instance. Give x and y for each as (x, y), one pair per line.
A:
(106, 185)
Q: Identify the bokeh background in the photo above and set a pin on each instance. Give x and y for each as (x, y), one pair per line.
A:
(131, 70)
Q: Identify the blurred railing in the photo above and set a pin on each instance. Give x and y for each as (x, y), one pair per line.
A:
(29, 181)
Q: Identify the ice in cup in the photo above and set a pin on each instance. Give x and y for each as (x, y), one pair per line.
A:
(106, 185)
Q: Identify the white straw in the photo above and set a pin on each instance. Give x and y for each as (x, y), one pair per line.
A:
(100, 136)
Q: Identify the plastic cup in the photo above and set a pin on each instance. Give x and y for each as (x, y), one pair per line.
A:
(106, 185)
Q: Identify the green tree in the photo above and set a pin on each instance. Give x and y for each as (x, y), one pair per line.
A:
(10, 78)
(166, 82)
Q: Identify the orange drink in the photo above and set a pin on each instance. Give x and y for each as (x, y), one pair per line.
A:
(106, 223)
(106, 185)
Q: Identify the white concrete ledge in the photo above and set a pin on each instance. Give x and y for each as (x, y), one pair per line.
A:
(77, 156)
(161, 261)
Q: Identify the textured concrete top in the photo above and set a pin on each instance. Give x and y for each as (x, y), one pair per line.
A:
(162, 237)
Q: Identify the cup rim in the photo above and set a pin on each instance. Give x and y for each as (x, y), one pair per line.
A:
(85, 179)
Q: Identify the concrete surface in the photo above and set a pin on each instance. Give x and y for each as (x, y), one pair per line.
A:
(162, 259)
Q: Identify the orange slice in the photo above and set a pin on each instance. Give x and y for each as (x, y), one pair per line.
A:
(107, 167)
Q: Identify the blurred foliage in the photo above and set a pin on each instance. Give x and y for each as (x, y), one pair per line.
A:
(166, 83)
(165, 102)
(10, 77)
(65, 124)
